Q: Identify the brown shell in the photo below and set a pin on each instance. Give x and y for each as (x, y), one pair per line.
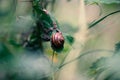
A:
(57, 40)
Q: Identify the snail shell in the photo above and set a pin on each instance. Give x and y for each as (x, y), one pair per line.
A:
(57, 41)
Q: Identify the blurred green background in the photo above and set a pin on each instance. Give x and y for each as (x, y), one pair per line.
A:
(15, 17)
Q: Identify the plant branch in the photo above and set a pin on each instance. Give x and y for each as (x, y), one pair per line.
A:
(98, 21)
(83, 54)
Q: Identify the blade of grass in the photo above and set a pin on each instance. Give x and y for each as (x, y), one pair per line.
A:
(101, 19)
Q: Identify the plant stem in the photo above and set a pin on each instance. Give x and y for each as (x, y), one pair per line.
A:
(98, 21)
(53, 57)
(83, 54)
(53, 65)
(63, 60)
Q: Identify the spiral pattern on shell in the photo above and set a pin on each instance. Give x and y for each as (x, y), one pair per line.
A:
(57, 41)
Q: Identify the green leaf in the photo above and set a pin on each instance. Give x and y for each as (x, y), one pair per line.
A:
(46, 24)
(98, 65)
(5, 54)
(103, 1)
(117, 47)
(70, 39)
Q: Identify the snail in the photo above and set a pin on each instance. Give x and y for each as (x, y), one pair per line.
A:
(57, 41)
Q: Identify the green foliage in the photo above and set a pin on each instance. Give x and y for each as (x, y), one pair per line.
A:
(117, 47)
(5, 54)
(107, 68)
(98, 65)
(21, 44)
(70, 39)
(41, 14)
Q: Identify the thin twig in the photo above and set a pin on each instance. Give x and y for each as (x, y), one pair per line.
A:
(83, 54)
